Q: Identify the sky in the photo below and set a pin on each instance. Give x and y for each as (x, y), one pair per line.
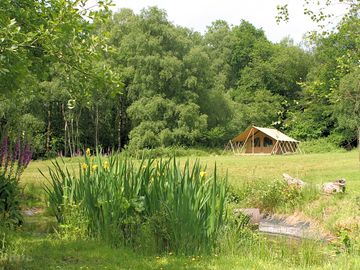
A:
(197, 14)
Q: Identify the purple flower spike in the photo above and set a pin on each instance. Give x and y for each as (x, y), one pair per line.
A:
(17, 150)
(27, 155)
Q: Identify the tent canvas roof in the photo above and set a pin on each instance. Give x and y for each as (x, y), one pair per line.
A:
(271, 132)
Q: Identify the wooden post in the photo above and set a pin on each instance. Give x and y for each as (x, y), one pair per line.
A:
(232, 147)
(274, 148)
(292, 147)
(281, 148)
(253, 140)
(247, 138)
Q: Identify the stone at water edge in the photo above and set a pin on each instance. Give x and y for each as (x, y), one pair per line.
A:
(253, 213)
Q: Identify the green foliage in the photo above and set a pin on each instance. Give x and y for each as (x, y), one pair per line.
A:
(13, 161)
(347, 103)
(271, 196)
(173, 151)
(322, 145)
(10, 201)
(177, 124)
(118, 200)
(73, 77)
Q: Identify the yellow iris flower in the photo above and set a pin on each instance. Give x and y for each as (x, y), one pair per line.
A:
(84, 166)
(106, 165)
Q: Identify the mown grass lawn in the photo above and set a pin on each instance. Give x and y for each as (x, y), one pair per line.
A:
(313, 168)
(46, 252)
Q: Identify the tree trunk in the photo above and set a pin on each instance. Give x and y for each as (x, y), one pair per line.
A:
(65, 129)
(119, 131)
(77, 135)
(48, 129)
(120, 123)
(96, 126)
(73, 135)
(69, 143)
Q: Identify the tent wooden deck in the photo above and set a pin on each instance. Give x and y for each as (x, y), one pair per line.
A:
(263, 141)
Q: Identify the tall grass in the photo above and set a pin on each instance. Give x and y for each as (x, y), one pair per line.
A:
(274, 195)
(176, 208)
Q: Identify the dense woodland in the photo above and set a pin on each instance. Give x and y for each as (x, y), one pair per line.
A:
(72, 77)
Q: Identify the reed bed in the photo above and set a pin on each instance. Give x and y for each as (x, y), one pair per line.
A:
(156, 204)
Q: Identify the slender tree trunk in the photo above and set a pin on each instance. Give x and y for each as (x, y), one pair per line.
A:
(65, 129)
(72, 136)
(119, 120)
(119, 134)
(77, 136)
(96, 126)
(69, 143)
(48, 129)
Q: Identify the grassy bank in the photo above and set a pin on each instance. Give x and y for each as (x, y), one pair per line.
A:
(336, 214)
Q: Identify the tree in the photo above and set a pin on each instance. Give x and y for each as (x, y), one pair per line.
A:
(347, 104)
(336, 55)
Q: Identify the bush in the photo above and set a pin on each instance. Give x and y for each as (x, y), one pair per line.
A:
(174, 151)
(181, 207)
(275, 195)
(322, 145)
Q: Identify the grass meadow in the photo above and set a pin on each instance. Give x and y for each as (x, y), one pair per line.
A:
(337, 215)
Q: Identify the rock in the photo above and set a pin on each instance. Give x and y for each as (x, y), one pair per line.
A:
(293, 181)
(337, 186)
(32, 211)
(252, 213)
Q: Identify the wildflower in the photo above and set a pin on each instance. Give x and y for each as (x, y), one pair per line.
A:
(202, 174)
(94, 167)
(84, 166)
(106, 165)
(88, 153)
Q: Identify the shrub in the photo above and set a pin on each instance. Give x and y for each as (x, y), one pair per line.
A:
(181, 206)
(174, 151)
(322, 145)
(275, 195)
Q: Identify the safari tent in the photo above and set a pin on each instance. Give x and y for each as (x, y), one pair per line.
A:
(258, 140)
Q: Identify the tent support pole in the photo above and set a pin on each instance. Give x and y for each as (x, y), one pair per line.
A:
(275, 146)
(253, 141)
(293, 147)
(281, 148)
(288, 147)
(232, 146)
(247, 138)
